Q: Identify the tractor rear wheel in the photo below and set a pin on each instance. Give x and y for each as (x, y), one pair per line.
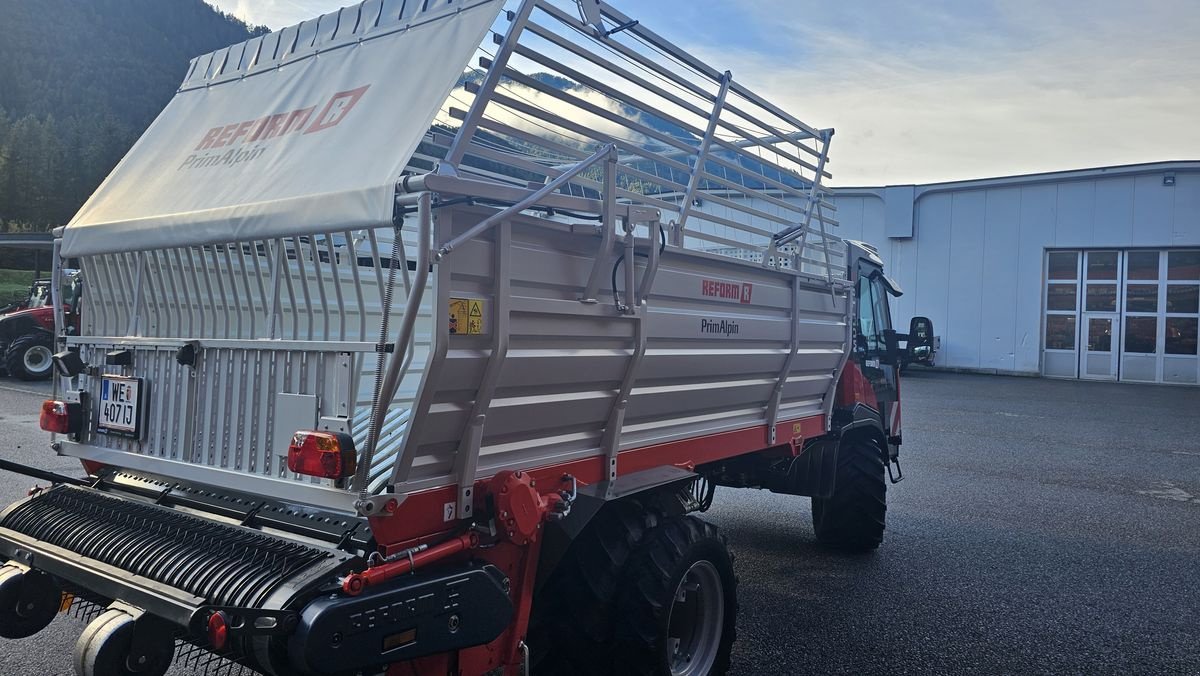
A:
(853, 518)
(29, 357)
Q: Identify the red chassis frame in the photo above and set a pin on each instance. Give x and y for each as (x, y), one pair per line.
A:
(418, 520)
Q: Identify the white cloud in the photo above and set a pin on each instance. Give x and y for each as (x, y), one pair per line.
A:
(1026, 90)
(950, 90)
(278, 13)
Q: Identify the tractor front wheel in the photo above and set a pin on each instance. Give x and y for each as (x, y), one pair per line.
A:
(852, 519)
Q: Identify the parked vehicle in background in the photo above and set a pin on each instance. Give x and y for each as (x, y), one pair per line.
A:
(27, 332)
(464, 422)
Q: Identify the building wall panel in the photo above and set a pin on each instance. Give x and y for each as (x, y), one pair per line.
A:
(1186, 223)
(998, 300)
(965, 285)
(974, 264)
(1113, 225)
(1075, 212)
(1153, 207)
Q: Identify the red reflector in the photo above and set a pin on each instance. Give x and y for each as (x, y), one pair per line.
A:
(218, 631)
(60, 417)
(323, 454)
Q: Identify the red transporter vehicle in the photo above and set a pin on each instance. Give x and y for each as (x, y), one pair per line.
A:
(388, 367)
(27, 329)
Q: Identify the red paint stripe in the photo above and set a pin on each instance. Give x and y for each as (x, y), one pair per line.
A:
(420, 515)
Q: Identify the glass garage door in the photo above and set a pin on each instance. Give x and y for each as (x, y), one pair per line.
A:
(1126, 315)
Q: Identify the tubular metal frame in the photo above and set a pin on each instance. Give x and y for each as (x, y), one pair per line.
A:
(694, 100)
(648, 131)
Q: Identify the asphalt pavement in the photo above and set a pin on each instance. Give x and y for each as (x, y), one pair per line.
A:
(1043, 527)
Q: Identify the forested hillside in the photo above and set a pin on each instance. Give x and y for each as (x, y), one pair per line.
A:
(79, 82)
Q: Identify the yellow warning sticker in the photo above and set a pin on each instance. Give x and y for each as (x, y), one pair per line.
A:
(466, 316)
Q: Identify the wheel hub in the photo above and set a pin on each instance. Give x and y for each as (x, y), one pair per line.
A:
(696, 621)
(37, 359)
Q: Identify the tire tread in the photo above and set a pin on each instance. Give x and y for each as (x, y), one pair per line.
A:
(14, 355)
(651, 579)
(854, 517)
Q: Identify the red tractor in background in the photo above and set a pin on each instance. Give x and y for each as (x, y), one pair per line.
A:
(27, 328)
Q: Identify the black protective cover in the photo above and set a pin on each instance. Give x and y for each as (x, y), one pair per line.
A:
(401, 620)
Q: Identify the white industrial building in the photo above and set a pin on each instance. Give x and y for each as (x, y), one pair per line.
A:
(1091, 274)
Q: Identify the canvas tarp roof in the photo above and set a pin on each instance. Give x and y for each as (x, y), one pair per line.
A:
(303, 130)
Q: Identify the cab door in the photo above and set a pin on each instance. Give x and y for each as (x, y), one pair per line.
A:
(876, 348)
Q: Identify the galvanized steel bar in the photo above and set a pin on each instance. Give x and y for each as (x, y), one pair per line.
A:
(199, 297)
(466, 458)
(105, 262)
(251, 306)
(173, 298)
(848, 348)
(136, 306)
(503, 52)
(608, 230)
(56, 301)
(302, 273)
(335, 272)
(376, 260)
(258, 276)
(412, 307)
(781, 382)
(208, 287)
(702, 153)
(786, 236)
(93, 297)
(687, 59)
(320, 281)
(610, 440)
(233, 288)
(649, 86)
(631, 303)
(657, 241)
(153, 288)
(524, 204)
(352, 250)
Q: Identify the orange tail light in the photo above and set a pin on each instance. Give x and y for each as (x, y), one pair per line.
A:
(322, 454)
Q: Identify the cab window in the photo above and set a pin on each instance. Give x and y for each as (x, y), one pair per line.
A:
(40, 297)
(873, 316)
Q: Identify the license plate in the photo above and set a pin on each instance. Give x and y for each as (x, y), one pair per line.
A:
(121, 406)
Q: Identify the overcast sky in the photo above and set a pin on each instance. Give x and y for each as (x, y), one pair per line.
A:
(942, 89)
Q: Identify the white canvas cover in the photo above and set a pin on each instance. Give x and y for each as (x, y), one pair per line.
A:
(302, 130)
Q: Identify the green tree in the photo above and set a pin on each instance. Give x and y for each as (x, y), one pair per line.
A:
(74, 104)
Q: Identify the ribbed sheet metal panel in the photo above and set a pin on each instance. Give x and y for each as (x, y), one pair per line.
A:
(566, 359)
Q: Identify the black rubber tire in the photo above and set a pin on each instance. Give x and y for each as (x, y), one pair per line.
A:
(103, 649)
(574, 618)
(14, 356)
(854, 517)
(654, 577)
(29, 601)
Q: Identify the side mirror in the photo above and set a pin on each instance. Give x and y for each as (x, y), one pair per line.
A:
(920, 332)
(68, 363)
